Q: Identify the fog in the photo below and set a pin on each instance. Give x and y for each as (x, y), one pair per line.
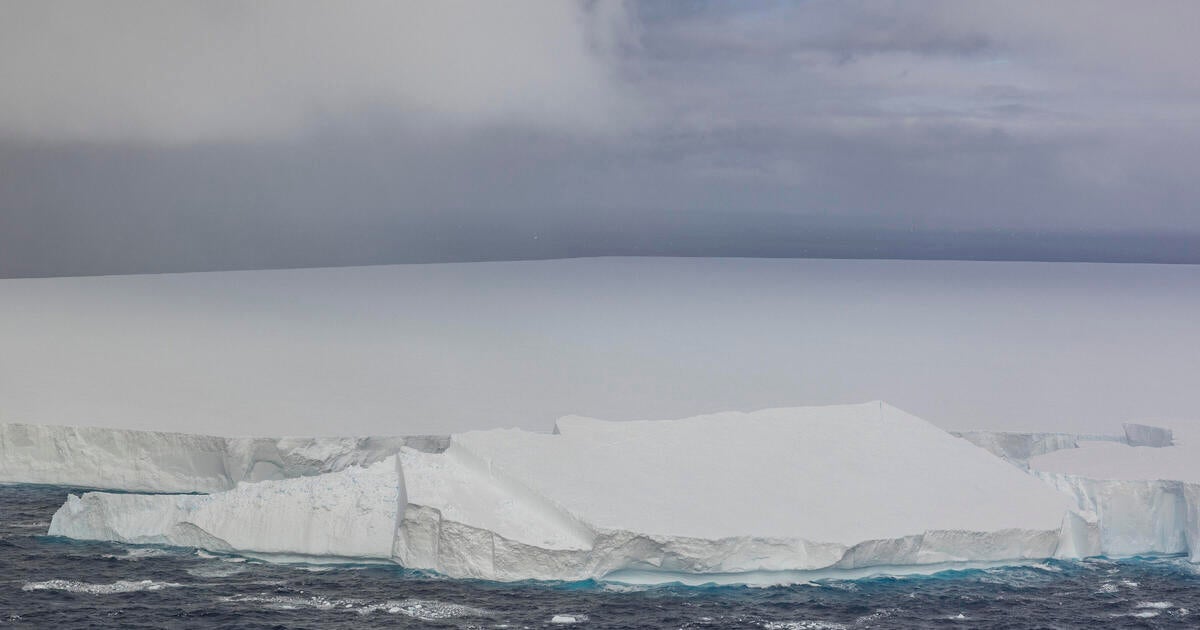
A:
(448, 347)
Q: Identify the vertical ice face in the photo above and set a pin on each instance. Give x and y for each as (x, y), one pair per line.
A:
(1141, 497)
(351, 513)
(1146, 435)
(150, 461)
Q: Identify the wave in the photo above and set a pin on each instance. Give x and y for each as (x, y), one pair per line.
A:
(425, 610)
(120, 586)
(137, 553)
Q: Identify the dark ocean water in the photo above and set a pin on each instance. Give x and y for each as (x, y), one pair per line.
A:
(55, 583)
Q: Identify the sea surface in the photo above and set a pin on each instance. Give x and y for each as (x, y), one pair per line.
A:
(49, 582)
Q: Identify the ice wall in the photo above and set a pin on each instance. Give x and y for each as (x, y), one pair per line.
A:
(1124, 518)
(1019, 447)
(149, 461)
(1146, 435)
(351, 513)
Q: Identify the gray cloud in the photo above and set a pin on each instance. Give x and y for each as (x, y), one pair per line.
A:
(181, 72)
(208, 136)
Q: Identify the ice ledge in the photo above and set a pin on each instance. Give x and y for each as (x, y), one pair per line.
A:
(1019, 447)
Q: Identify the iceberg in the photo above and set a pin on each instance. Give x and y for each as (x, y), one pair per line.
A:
(1019, 447)
(150, 461)
(778, 495)
(346, 514)
(1140, 497)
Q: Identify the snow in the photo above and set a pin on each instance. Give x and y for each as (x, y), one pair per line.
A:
(149, 461)
(347, 514)
(841, 474)
(1123, 462)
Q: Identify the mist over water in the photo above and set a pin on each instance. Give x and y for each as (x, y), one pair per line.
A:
(419, 349)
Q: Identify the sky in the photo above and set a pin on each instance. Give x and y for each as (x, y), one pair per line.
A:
(141, 136)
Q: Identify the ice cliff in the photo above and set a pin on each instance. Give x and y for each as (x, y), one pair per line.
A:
(775, 495)
(1020, 447)
(148, 461)
(1141, 497)
(346, 514)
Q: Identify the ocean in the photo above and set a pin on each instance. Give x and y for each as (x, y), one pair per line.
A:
(50, 582)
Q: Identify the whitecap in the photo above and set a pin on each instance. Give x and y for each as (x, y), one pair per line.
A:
(425, 610)
(876, 616)
(120, 586)
(137, 553)
(212, 556)
(1158, 605)
(429, 610)
(292, 602)
(218, 570)
(803, 625)
(565, 619)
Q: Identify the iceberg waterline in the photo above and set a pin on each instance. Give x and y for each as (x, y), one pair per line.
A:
(773, 495)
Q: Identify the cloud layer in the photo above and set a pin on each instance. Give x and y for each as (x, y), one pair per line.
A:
(154, 136)
(176, 71)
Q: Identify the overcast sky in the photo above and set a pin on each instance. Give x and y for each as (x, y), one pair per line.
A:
(162, 135)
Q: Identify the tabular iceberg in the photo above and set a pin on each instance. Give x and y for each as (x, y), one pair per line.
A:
(780, 493)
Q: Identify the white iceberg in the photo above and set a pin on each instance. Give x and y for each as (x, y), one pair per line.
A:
(1141, 497)
(778, 495)
(351, 513)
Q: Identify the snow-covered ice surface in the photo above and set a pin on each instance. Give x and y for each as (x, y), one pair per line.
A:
(763, 496)
(839, 474)
(149, 461)
(346, 514)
